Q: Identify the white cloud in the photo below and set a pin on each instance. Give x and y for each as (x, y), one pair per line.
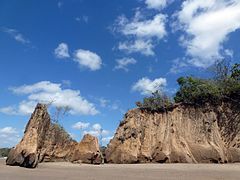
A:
(8, 130)
(106, 140)
(88, 59)
(207, 25)
(229, 53)
(61, 51)
(83, 18)
(97, 130)
(85, 58)
(142, 34)
(110, 105)
(146, 86)
(48, 92)
(151, 28)
(156, 4)
(103, 102)
(45, 86)
(97, 127)
(81, 125)
(178, 66)
(137, 46)
(16, 35)
(115, 106)
(9, 110)
(26, 107)
(124, 62)
(9, 136)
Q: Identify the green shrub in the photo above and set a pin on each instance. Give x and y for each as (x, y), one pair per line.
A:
(235, 72)
(200, 91)
(197, 91)
(225, 86)
(156, 102)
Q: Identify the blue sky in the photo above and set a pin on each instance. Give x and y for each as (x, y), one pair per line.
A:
(99, 57)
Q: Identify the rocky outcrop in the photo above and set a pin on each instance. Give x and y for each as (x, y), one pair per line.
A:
(186, 134)
(87, 151)
(44, 141)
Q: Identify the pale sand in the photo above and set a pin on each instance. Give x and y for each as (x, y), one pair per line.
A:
(68, 171)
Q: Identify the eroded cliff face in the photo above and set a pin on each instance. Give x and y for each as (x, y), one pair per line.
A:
(44, 141)
(185, 134)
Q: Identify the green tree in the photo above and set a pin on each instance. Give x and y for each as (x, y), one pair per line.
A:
(200, 91)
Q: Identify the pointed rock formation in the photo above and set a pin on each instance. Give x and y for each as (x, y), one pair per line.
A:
(44, 141)
(185, 134)
(87, 151)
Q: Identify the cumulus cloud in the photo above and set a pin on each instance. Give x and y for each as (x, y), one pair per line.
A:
(88, 59)
(141, 33)
(97, 127)
(146, 86)
(61, 51)
(84, 58)
(8, 136)
(146, 28)
(103, 135)
(156, 4)
(48, 92)
(24, 108)
(207, 25)
(137, 46)
(80, 125)
(16, 35)
(97, 130)
(124, 63)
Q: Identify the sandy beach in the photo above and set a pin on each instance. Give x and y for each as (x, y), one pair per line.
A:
(68, 171)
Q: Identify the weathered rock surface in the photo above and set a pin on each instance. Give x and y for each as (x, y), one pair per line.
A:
(185, 134)
(87, 151)
(44, 141)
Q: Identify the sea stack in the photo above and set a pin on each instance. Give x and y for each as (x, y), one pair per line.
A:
(45, 141)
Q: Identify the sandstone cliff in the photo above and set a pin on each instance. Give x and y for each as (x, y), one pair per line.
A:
(45, 141)
(186, 134)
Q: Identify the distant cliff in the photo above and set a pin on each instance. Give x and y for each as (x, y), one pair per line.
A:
(184, 134)
(45, 141)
